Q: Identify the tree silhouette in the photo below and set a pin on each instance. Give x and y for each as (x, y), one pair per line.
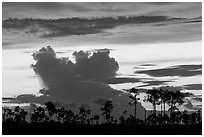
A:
(175, 99)
(61, 114)
(134, 99)
(95, 119)
(51, 109)
(69, 116)
(86, 122)
(19, 115)
(153, 97)
(39, 115)
(8, 114)
(198, 117)
(161, 95)
(106, 111)
(164, 98)
(84, 115)
(185, 118)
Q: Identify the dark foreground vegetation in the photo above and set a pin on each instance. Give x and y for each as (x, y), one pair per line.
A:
(58, 121)
(104, 129)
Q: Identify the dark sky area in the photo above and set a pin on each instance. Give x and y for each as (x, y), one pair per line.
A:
(98, 9)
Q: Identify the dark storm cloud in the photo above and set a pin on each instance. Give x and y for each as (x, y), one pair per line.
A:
(193, 86)
(74, 82)
(100, 101)
(179, 70)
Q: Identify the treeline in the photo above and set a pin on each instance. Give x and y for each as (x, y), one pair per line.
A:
(84, 119)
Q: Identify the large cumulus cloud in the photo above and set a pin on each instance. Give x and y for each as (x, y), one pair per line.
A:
(75, 81)
(82, 81)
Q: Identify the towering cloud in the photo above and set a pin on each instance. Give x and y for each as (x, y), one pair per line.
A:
(75, 81)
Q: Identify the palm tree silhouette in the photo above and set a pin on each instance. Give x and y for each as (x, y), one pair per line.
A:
(161, 95)
(164, 98)
(134, 99)
(153, 97)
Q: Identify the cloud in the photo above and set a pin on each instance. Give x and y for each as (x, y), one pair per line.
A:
(117, 80)
(154, 83)
(171, 88)
(75, 81)
(96, 9)
(81, 31)
(100, 101)
(82, 26)
(179, 70)
(30, 98)
(75, 26)
(148, 64)
(66, 86)
(193, 87)
(190, 106)
(187, 94)
(199, 99)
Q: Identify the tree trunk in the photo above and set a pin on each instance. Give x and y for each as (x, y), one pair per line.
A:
(135, 107)
(145, 116)
(164, 108)
(161, 108)
(154, 108)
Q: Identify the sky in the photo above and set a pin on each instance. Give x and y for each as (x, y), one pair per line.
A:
(99, 9)
(87, 62)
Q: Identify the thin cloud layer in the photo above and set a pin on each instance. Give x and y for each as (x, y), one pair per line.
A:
(179, 70)
(104, 30)
(83, 26)
(119, 80)
(154, 83)
(90, 9)
(193, 87)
